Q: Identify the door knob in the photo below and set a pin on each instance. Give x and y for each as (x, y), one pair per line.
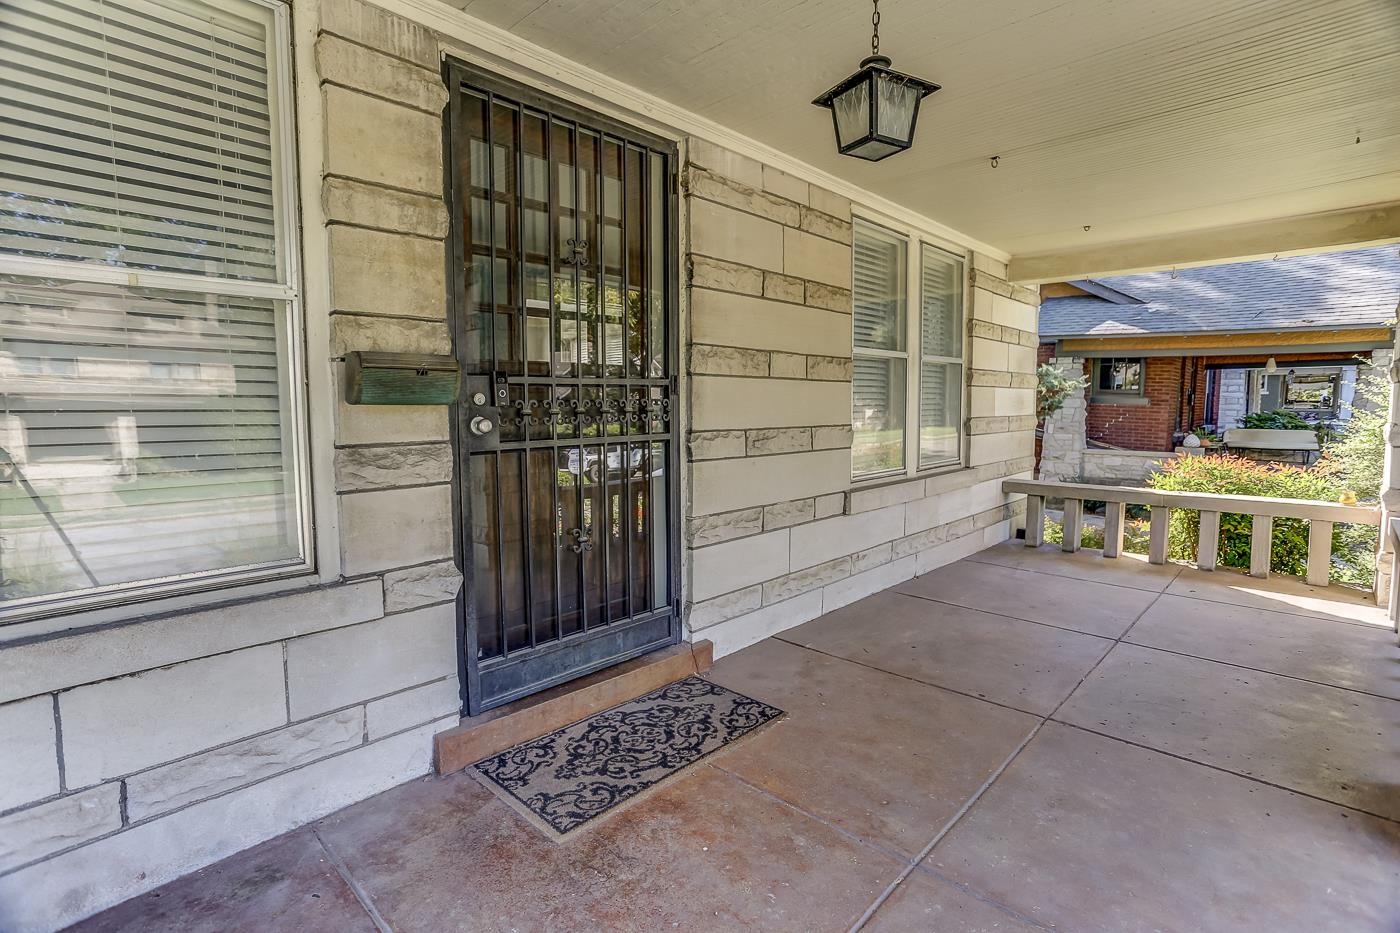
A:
(481, 425)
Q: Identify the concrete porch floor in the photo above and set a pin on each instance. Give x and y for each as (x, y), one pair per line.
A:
(1021, 740)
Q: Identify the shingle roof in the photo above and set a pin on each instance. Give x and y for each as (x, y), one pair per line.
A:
(1358, 288)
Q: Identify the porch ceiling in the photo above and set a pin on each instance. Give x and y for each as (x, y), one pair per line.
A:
(1137, 120)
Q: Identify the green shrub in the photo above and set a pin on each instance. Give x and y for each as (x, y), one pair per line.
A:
(1279, 420)
(1355, 455)
(1236, 476)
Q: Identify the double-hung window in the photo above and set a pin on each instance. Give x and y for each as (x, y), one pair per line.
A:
(151, 432)
(907, 381)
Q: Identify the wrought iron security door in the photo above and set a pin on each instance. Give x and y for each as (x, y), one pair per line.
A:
(563, 233)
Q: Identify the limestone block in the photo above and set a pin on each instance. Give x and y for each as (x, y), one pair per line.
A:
(816, 258)
(832, 436)
(353, 202)
(872, 557)
(829, 203)
(725, 526)
(830, 368)
(745, 630)
(788, 366)
(818, 542)
(733, 565)
(1020, 359)
(369, 25)
(779, 440)
(990, 448)
(413, 708)
(990, 354)
(421, 586)
(736, 194)
(724, 607)
(783, 287)
(784, 185)
(376, 141)
(242, 763)
(984, 263)
(935, 510)
(26, 835)
(391, 528)
(389, 424)
(803, 581)
(829, 505)
(954, 550)
(717, 445)
(726, 233)
(29, 765)
(388, 334)
(726, 485)
(829, 297)
(785, 514)
(706, 272)
(358, 468)
(58, 663)
(131, 723)
(728, 402)
(733, 320)
(825, 225)
(351, 665)
(373, 272)
(723, 162)
(912, 544)
(727, 361)
(90, 878)
(364, 69)
(844, 592)
(988, 401)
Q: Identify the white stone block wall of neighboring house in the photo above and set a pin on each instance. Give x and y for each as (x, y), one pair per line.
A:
(1234, 398)
(1121, 467)
(140, 751)
(776, 534)
(1062, 440)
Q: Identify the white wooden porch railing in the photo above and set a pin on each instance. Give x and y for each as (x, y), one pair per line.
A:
(1320, 517)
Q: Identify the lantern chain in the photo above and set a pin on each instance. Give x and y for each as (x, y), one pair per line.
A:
(875, 35)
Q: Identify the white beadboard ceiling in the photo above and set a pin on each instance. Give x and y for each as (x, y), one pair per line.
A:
(1137, 118)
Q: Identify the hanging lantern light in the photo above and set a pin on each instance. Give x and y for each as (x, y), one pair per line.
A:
(876, 108)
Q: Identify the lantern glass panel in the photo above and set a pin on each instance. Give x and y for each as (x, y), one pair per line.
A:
(852, 110)
(897, 103)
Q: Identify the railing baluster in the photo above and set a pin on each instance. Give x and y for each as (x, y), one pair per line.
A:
(1319, 552)
(1261, 545)
(1035, 521)
(1208, 541)
(1114, 516)
(1073, 525)
(1157, 534)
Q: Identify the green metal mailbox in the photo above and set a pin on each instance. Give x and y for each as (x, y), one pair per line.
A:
(400, 378)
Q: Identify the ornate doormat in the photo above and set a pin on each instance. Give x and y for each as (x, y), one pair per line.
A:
(580, 772)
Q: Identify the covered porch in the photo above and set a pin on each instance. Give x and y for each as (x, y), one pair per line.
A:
(1024, 739)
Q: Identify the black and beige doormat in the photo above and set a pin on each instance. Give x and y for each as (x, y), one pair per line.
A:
(580, 772)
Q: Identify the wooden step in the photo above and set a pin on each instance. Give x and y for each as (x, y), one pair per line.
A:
(478, 737)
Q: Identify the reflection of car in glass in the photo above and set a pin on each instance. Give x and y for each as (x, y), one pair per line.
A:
(591, 460)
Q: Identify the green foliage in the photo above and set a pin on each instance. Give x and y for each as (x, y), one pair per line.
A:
(1355, 455)
(1135, 536)
(1278, 420)
(1053, 388)
(1236, 476)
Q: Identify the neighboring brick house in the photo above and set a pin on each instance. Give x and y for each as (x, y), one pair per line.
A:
(1168, 353)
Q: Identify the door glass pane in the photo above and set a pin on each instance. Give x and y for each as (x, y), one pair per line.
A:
(877, 415)
(879, 289)
(565, 339)
(569, 518)
(484, 583)
(652, 347)
(534, 246)
(631, 303)
(613, 256)
(476, 234)
(543, 489)
(505, 239)
(513, 562)
(660, 521)
(585, 255)
(940, 413)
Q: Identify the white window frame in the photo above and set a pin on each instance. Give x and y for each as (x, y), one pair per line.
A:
(287, 290)
(913, 355)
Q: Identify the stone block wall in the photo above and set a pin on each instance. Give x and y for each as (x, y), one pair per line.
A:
(1062, 443)
(776, 534)
(1121, 467)
(138, 750)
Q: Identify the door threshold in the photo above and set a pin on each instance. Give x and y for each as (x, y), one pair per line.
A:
(494, 731)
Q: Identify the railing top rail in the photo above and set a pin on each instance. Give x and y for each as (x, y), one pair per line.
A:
(1208, 501)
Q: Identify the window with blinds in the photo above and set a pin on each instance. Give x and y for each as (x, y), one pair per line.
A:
(150, 430)
(907, 369)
